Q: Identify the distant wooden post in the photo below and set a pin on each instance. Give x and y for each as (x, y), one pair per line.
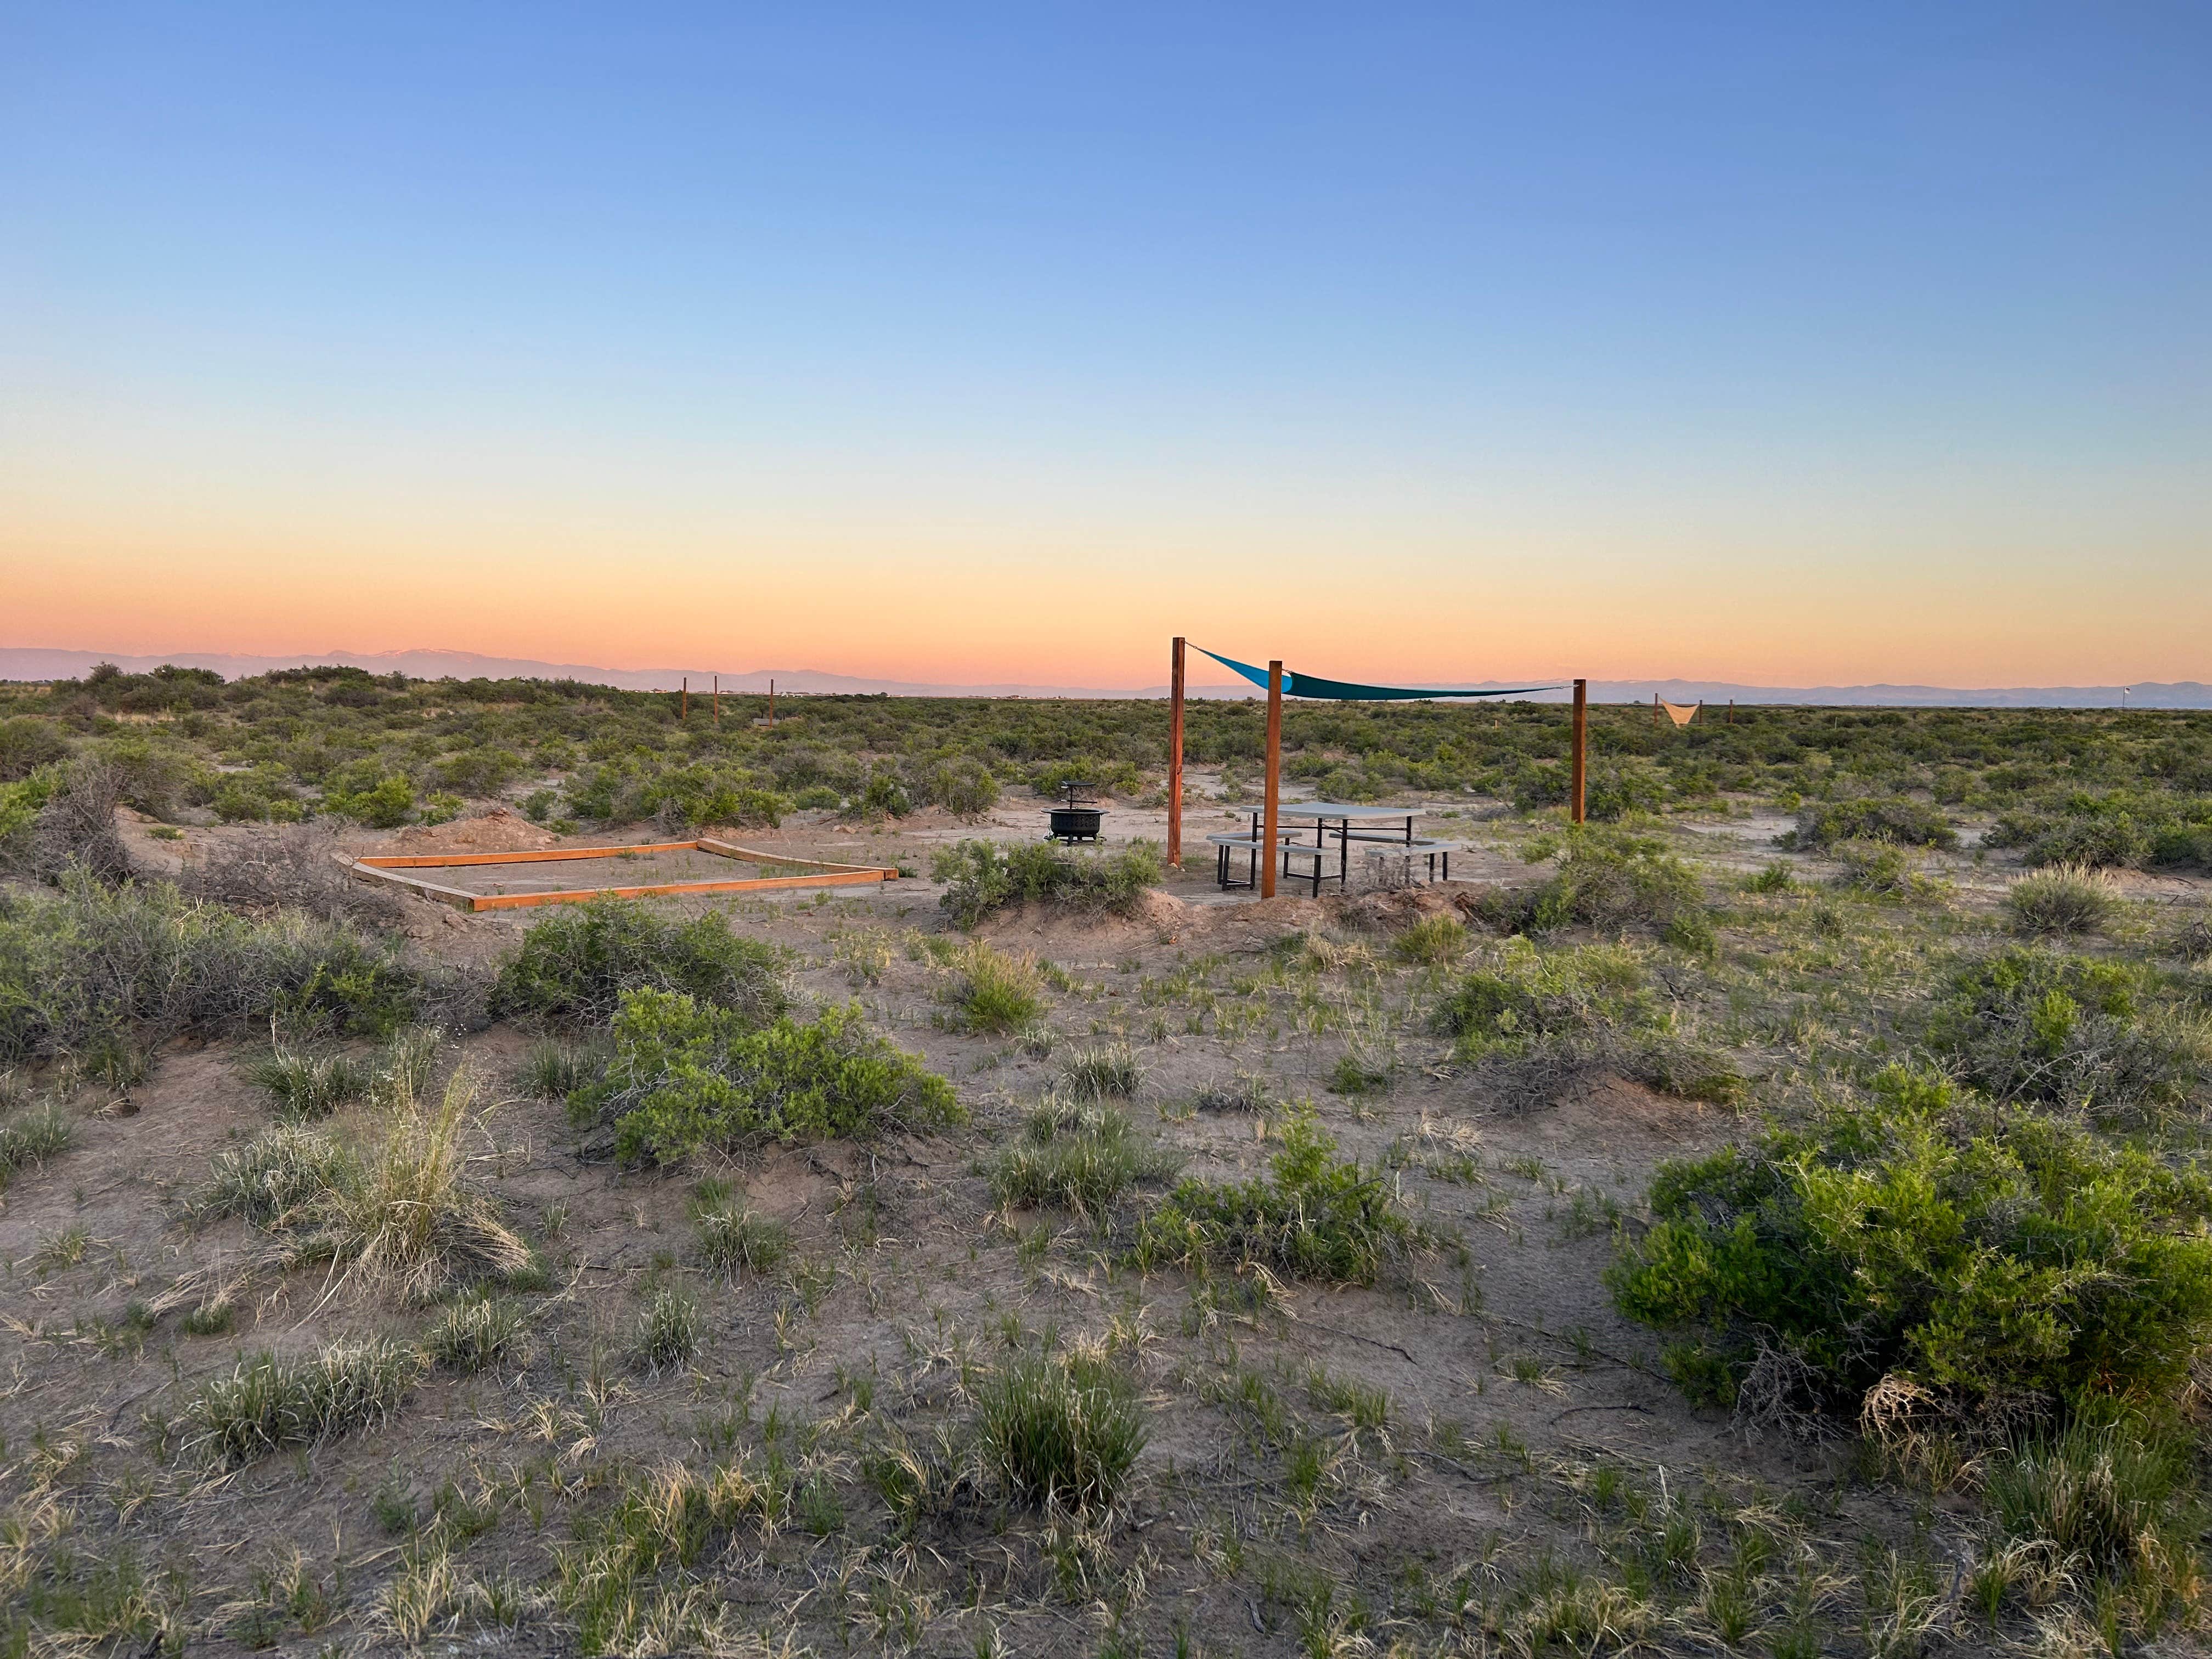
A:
(1731, 711)
(1175, 754)
(1655, 709)
(1578, 769)
(683, 708)
(718, 702)
(1273, 793)
(771, 703)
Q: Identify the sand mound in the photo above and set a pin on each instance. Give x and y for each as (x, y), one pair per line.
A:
(497, 831)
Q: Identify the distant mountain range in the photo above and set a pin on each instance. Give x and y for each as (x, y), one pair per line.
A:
(36, 664)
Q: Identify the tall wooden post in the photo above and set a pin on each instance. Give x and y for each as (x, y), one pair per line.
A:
(1655, 709)
(1578, 768)
(1175, 754)
(683, 708)
(718, 702)
(771, 703)
(1274, 795)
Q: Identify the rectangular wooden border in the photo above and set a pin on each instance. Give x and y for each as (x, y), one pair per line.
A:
(388, 867)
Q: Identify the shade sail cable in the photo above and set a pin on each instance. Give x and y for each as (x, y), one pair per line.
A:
(1312, 686)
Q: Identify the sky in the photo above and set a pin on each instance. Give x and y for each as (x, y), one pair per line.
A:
(1780, 345)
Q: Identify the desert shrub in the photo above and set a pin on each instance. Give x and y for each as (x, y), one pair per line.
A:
(477, 1333)
(289, 869)
(982, 877)
(884, 797)
(1312, 1216)
(2084, 1034)
(1113, 778)
(684, 1074)
(91, 964)
(1609, 881)
(1061, 1431)
(1080, 1160)
(270, 1402)
(1989, 1254)
(990, 991)
(2185, 846)
(2063, 902)
(385, 803)
(27, 745)
(965, 788)
(1893, 819)
(1877, 870)
(31, 1136)
(75, 829)
(1101, 1071)
(575, 965)
(1611, 790)
(1524, 996)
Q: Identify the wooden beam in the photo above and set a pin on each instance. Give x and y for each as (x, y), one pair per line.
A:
(1174, 754)
(1272, 794)
(1578, 769)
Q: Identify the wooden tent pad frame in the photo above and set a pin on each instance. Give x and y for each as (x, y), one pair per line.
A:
(388, 868)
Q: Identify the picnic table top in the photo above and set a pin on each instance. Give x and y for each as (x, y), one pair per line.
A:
(1331, 809)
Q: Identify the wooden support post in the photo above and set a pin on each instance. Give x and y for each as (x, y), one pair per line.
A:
(718, 702)
(1731, 711)
(771, 703)
(1578, 768)
(1272, 794)
(683, 708)
(1655, 709)
(1175, 754)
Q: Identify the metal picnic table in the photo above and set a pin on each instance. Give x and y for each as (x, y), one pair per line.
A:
(1392, 825)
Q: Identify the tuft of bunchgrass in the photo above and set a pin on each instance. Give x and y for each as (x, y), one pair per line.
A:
(268, 1402)
(1061, 1431)
(304, 1086)
(554, 1071)
(414, 1223)
(731, 1238)
(990, 991)
(670, 1329)
(1080, 1161)
(30, 1137)
(1432, 942)
(2102, 1492)
(278, 1176)
(2066, 900)
(478, 1333)
(1104, 1071)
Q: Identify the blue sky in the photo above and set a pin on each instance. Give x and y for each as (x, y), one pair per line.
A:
(1768, 341)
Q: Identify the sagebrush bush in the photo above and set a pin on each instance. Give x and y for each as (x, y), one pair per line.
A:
(269, 1402)
(1312, 1216)
(1081, 1160)
(2078, 1032)
(1986, 1253)
(1894, 820)
(1064, 1431)
(982, 877)
(684, 1075)
(90, 964)
(1609, 881)
(2063, 902)
(574, 966)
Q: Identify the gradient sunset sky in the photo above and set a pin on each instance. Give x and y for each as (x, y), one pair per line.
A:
(1789, 345)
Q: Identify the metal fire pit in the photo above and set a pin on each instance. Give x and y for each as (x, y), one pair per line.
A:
(1079, 818)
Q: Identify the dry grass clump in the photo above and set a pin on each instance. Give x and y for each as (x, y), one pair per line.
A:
(269, 1402)
(2065, 901)
(293, 868)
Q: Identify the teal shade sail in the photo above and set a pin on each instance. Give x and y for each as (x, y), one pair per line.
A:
(1312, 686)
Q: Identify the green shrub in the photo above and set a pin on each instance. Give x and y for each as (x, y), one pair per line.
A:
(2184, 846)
(685, 1075)
(1892, 819)
(1061, 1431)
(991, 991)
(1081, 1161)
(27, 745)
(92, 964)
(982, 877)
(1613, 881)
(576, 964)
(2056, 1029)
(1312, 1216)
(965, 788)
(2064, 903)
(1985, 1253)
(1879, 871)
(269, 1403)
(386, 804)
